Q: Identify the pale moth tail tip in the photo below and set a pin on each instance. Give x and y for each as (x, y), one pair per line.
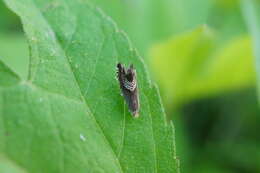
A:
(135, 114)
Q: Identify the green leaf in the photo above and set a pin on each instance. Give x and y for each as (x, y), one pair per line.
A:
(9, 21)
(68, 116)
(8, 78)
(190, 66)
(14, 52)
(149, 21)
(251, 11)
(8, 166)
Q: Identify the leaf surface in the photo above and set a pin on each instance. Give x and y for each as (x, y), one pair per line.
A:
(68, 116)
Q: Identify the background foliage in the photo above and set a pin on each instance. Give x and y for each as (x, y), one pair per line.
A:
(204, 54)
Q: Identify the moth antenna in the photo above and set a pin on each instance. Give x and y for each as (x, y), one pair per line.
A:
(121, 68)
(119, 65)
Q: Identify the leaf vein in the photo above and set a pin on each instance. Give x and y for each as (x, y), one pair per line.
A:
(83, 98)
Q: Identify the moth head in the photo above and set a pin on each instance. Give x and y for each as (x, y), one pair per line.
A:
(130, 75)
(120, 66)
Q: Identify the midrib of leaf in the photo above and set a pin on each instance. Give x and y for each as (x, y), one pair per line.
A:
(93, 117)
(77, 84)
(82, 97)
(85, 101)
(115, 156)
(81, 92)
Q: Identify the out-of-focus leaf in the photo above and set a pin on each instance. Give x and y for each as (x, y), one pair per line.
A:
(68, 116)
(235, 153)
(226, 18)
(188, 66)
(251, 11)
(227, 4)
(148, 21)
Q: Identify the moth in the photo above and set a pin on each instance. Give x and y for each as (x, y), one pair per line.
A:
(128, 85)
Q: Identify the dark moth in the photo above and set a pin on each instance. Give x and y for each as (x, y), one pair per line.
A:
(128, 85)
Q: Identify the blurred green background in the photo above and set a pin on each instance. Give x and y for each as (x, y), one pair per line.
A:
(201, 54)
